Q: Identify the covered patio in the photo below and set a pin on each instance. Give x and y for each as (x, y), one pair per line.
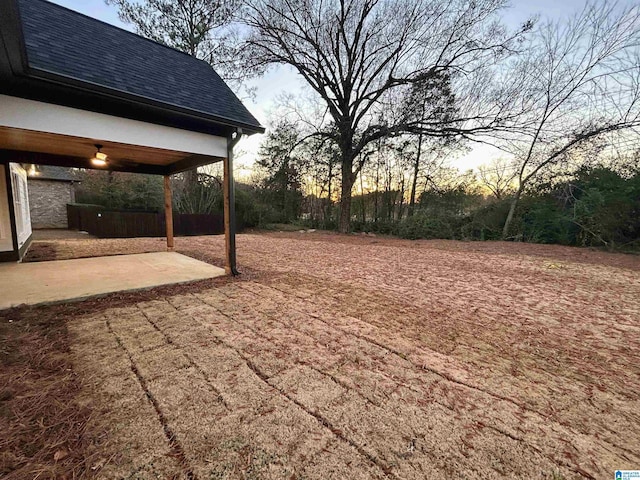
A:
(77, 92)
(70, 280)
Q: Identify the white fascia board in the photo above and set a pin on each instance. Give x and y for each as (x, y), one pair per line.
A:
(46, 117)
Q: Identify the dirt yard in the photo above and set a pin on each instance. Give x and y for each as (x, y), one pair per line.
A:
(355, 357)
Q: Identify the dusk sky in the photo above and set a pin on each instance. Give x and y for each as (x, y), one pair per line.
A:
(283, 79)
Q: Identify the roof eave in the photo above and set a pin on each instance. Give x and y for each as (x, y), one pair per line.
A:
(12, 45)
(68, 81)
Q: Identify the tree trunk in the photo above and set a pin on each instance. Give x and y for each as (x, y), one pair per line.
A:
(191, 178)
(362, 204)
(402, 192)
(285, 185)
(391, 201)
(512, 210)
(345, 196)
(375, 193)
(414, 184)
(329, 204)
(345, 210)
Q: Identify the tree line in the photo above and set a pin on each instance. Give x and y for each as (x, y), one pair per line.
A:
(405, 85)
(592, 200)
(597, 203)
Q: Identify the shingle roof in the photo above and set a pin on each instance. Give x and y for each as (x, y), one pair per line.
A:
(69, 44)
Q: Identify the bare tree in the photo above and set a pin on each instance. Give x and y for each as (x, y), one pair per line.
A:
(579, 81)
(498, 176)
(426, 101)
(313, 144)
(355, 53)
(321, 166)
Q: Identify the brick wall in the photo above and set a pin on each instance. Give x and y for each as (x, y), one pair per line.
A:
(48, 203)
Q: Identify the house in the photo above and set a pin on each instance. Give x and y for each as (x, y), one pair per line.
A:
(77, 92)
(50, 190)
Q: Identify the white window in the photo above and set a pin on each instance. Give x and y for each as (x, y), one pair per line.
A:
(6, 242)
(20, 203)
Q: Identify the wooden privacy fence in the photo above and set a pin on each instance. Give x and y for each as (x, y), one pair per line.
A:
(121, 224)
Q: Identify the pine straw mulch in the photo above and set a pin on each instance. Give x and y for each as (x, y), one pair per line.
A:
(65, 248)
(513, 357)
(588, 255)
(43, 429)
(48, 431)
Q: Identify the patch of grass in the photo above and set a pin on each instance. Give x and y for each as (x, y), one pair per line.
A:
(220, 472)
(284, 227)
(259, 464)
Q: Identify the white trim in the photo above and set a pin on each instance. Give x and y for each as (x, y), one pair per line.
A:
(6, 241)
(45, 117)
(20, 203)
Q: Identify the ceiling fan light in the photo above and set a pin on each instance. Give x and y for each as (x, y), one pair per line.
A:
(99, 159)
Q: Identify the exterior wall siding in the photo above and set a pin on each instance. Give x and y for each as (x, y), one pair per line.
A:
(48, 203)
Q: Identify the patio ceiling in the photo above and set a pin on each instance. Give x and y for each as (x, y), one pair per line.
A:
(43, 148)
(37, 132)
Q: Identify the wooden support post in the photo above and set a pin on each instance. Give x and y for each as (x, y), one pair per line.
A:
(230, 208)
(168, 212)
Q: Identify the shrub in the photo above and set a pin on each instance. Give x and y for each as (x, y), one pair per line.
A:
(542, 220)
(427, 227)
(486, 222)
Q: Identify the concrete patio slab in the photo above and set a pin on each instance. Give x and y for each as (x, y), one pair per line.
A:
(64, 280)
